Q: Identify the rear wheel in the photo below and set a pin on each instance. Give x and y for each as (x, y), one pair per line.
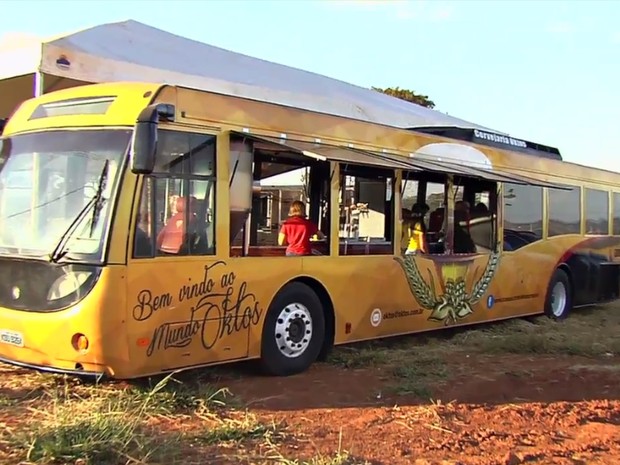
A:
(559, 300)
(293, 332)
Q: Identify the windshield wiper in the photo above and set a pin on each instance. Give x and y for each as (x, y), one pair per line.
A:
(97, 201)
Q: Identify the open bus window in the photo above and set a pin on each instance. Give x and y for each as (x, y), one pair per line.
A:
(478, 215)
(277, 177)
(417, 189)
(597, 212)
(564, 211)
(474, 223)
(435, 196)
(366, 211)
(523, 215)
(177, 204)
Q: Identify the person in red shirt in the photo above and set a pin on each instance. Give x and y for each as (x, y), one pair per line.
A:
(297, 230)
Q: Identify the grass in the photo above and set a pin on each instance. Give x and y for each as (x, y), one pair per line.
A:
(184, 418)
(418, 374)
(418, 362)
(105, 425)
(362, 356)
(101, 429)
(175, 396)
(588, 332)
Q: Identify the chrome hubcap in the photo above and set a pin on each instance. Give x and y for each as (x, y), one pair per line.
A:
(293, 330)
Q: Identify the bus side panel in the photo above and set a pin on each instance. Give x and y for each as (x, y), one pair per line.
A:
(377, 296)
(192, 311)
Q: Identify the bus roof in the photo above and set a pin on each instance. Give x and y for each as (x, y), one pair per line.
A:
(118, 104)
(492, 139)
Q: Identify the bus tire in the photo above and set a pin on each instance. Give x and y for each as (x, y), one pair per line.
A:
(293, 331)
(559, 299)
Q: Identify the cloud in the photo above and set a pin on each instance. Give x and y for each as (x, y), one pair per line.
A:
(421, 10)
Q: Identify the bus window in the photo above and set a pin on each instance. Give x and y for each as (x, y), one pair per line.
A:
(475, 215)
(409, 192)
(177, 203)
(435, 197)
(616, 212)
(366, 211)
(523, 215)
(482, 216)
(564, 211)
(597, 212)
(46, 182)
(284, 177)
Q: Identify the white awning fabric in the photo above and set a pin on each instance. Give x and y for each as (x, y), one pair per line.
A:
(132, 51)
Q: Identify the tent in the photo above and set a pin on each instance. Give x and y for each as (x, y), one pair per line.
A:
(132, 51)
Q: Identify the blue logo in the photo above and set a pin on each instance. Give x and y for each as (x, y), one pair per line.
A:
(490, 301)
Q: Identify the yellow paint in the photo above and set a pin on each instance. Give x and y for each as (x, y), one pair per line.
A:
(131, 98)
(127, 333)
(454, 271)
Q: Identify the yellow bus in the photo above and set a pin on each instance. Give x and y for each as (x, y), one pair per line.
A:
(137, 236)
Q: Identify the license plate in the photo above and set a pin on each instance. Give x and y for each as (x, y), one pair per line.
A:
(11, 337)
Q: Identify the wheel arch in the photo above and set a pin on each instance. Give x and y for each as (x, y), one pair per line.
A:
(328, 309)
(566, 269)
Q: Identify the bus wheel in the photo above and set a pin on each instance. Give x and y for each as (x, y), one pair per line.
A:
(293, 332)
(559, 297)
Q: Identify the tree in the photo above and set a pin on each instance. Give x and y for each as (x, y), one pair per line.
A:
(407, 95)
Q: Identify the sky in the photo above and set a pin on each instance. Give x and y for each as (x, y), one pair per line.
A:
(544, 71)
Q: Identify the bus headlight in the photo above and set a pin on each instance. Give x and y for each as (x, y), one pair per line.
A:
(67, 284)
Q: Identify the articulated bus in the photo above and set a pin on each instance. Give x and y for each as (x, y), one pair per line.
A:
(139, 226)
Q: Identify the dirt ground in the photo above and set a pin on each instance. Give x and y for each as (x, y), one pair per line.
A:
(522, 392)
(500, 410)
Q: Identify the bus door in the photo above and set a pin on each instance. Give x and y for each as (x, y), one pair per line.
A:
(182, 301)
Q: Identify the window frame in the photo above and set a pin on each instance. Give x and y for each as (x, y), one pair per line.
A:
(184, 177)
(586, 219)
(615, 200)
(542, 205)
(580, 207)
(388, 176)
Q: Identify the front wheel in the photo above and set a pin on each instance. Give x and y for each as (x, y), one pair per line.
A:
(559, 299)
(293, 332)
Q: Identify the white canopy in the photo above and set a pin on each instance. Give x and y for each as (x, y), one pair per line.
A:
(132, 51)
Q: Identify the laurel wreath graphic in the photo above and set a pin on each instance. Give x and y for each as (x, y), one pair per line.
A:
(454, 304)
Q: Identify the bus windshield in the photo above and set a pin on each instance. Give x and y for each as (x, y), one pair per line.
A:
(55, 189)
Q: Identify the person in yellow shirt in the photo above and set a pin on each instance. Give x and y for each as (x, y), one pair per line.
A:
(414, 230)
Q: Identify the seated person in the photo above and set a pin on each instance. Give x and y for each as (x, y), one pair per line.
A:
(435, 222)
(142, 244)
(297, 231)
(405, 219)
(173, 235)
(463, 242)
(480, 210)
(416, 230)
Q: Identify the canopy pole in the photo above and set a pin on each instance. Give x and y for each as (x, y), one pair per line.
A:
(38, 84)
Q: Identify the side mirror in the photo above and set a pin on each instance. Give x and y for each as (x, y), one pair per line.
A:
(144, 141)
